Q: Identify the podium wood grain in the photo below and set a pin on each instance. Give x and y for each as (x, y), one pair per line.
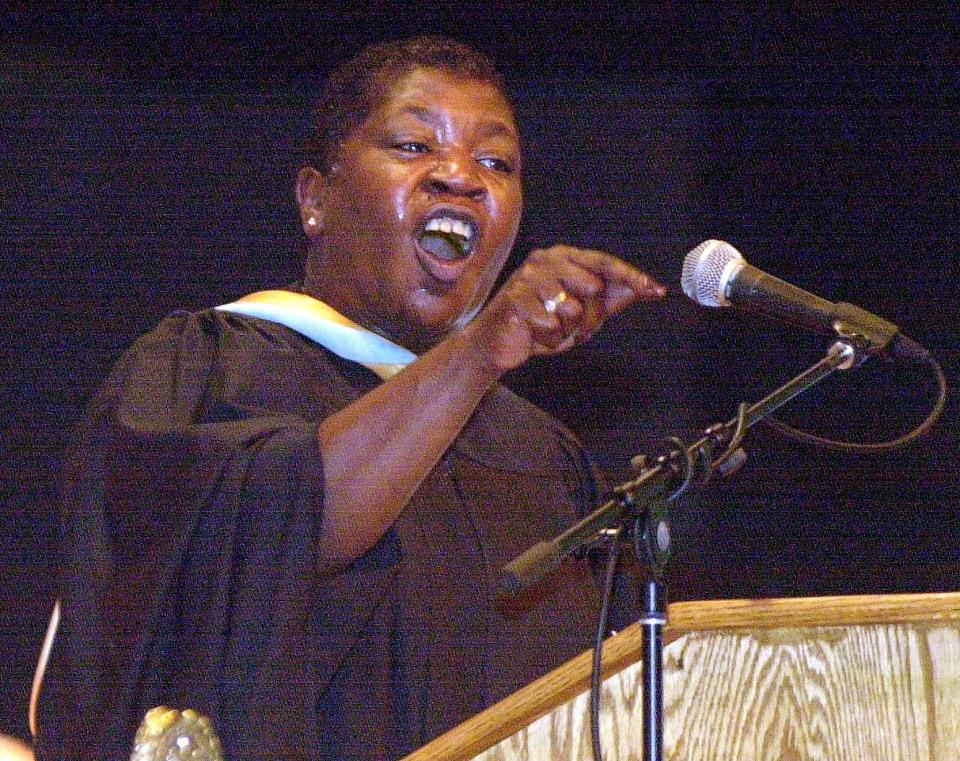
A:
(875, 677)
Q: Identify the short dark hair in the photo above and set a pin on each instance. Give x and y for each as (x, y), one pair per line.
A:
(357, 87)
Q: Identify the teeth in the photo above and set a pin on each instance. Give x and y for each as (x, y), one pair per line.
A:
(450, 225)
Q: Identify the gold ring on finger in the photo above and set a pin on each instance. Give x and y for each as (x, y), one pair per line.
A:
(550, 305)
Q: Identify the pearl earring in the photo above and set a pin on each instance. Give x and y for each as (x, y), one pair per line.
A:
(312, 221)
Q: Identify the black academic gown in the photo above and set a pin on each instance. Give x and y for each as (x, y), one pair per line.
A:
(191, 506)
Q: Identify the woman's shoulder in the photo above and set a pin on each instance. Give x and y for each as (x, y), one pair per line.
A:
(210, 338)
(211, 357)
(216, 328)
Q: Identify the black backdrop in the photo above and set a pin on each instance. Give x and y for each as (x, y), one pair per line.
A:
(148, 162)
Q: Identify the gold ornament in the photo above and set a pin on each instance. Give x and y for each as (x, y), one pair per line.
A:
(166, 734)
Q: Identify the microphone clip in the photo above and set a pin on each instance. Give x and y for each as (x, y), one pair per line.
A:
(851, 346)
(875, 334)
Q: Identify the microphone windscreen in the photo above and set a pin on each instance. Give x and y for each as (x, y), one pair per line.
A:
(703, 276)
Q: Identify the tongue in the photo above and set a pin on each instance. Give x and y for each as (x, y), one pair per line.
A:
(446, 246)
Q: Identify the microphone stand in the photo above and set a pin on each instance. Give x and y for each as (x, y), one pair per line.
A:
(639, 508)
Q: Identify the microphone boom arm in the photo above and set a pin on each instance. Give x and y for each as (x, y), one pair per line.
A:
(667, 478)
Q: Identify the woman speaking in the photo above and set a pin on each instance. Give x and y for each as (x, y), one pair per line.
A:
(288, 513)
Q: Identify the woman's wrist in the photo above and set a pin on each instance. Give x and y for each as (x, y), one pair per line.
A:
(474, 352)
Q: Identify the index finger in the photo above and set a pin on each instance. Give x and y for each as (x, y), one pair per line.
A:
(623, 282)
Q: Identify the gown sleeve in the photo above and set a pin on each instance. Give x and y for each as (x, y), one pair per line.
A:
(190, 506)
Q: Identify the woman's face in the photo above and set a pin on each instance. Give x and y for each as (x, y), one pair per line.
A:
(441, 153)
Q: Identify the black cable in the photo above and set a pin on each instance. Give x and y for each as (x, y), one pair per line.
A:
(689, 471)
(614, 550)
(736, 439)
(881, 446)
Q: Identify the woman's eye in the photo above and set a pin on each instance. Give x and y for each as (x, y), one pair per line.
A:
(497, 165)
(412, 146)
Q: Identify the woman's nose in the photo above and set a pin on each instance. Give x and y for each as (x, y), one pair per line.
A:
(456, 175)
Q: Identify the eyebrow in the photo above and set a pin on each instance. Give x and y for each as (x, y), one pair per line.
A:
(488, 128)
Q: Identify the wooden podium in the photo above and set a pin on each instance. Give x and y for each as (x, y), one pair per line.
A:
(873, 678)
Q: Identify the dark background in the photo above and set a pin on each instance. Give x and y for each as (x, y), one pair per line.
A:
(148, 160)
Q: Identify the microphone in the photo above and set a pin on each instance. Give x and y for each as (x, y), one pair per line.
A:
(715, 274)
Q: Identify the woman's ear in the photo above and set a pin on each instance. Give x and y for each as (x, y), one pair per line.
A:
(311, 190)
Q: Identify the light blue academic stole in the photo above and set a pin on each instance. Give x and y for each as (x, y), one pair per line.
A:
(325, 325)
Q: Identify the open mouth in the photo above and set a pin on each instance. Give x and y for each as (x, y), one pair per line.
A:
(449, 236)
